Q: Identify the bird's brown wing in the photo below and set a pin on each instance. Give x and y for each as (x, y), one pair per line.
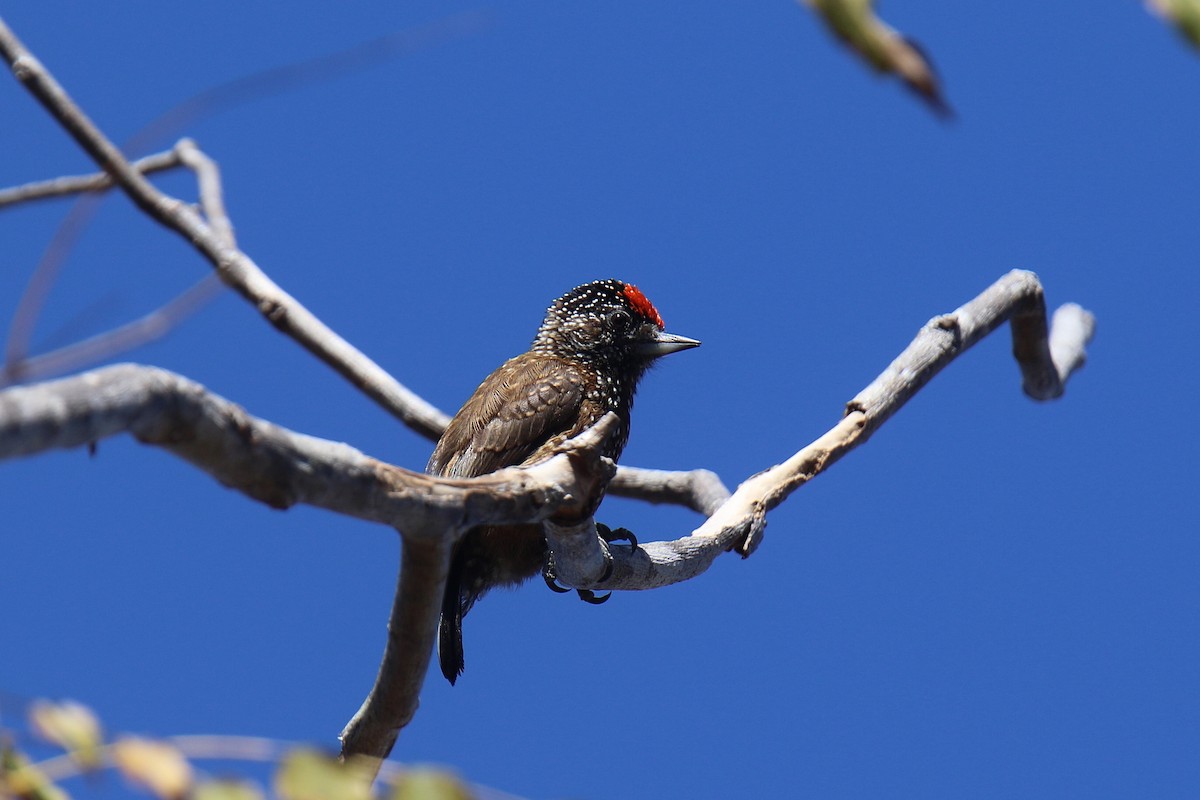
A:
(501, 426)
(498, 428)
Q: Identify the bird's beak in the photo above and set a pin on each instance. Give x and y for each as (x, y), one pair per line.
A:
(664, 343)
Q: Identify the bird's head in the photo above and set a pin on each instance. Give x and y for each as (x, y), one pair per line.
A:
(609, 321)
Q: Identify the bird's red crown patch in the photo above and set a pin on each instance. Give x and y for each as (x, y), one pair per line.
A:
(641, 304)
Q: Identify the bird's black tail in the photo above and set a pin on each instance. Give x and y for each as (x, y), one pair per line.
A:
(450, 647)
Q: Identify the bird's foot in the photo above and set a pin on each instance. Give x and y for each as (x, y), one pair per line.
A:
(586, 595)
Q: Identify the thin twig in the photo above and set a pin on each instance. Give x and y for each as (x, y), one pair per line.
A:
(152, 326)
(161, 321)
(212, 196)
(245, 89)
(699, 490)
(236, 269)
(79, 184)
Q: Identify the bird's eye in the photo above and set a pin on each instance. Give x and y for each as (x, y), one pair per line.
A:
(620, 319)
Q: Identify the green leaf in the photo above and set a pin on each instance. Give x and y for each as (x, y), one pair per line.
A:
(1184, 15)
(226, 790)
(429, 784)
(160, 767)
(22, 780)
(885, 49)
(311, 775)
(70, 725)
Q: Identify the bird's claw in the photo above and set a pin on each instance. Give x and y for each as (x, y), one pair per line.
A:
(588, 596)
(617, 534)
(551, 581)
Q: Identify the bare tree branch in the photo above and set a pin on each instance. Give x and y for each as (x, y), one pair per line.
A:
(699, 490)
(412, 628)
(276, 466)
(33, 299)
(223, 96)
(79, 184)
(281, 468)
(212, 196)
(152, 326)
(236, 269)
(1046, 361)
(162, 320)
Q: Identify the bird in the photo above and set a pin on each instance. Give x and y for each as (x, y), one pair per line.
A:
(592, 348)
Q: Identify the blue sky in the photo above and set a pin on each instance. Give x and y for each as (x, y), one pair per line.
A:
(993, 598)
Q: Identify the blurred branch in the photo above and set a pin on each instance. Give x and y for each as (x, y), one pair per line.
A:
(164, 767)
(33, 299)
(308, 72)
(1183, 15)
(157, 323)
(152, 326)
(882, 47)
(245, 89)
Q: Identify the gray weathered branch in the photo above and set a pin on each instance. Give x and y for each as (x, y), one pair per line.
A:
(1046, 357)
(281, 468)
(412, 627)
(236, 269)
(212, 235)
(273, 465)
(151, 326)
(147, 328)
(69, 185)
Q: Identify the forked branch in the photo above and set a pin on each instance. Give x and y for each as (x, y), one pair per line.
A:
(281, 468)
(1046, 355)
(236, 269)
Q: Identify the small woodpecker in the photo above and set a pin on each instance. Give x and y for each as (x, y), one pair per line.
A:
(595, 344)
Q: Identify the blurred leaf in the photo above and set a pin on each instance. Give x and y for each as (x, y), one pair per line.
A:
(158, 766)
(886, 50)
(429, 784)
(20, 779)
(1183, 14)
(70, 725)
(311, 775)
(226, 790)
